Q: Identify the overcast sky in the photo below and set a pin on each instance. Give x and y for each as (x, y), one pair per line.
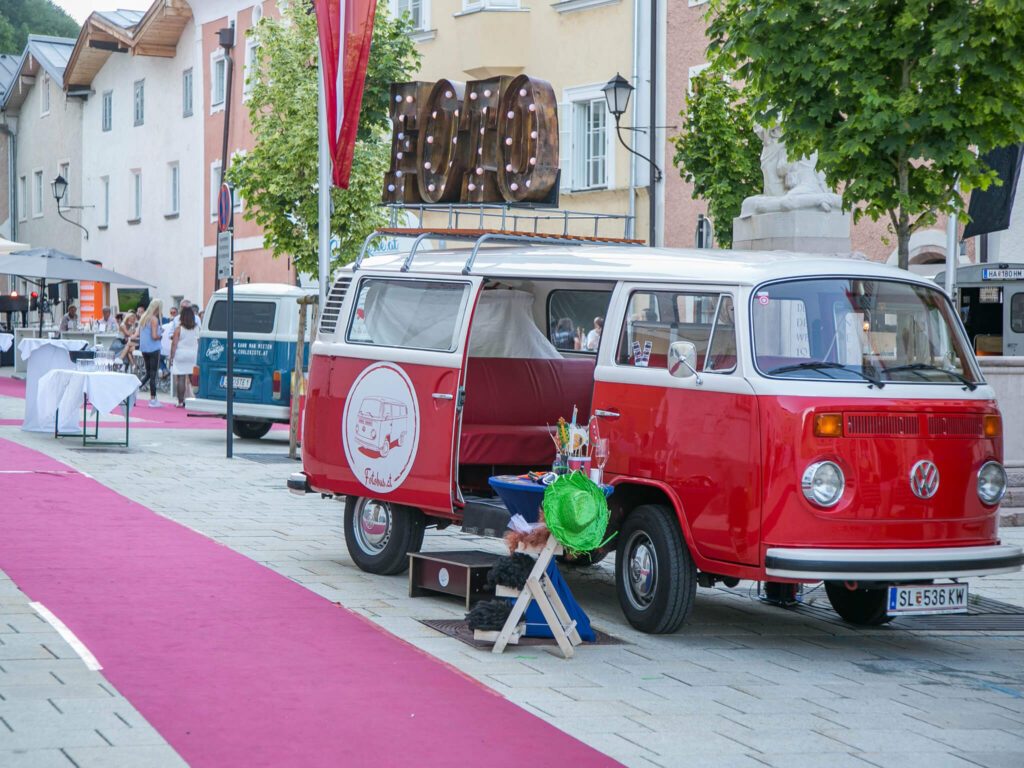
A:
(80, 9)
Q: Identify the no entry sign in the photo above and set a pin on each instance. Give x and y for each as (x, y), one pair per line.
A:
(225, 209)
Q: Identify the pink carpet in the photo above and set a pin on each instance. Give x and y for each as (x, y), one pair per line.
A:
(12, 387)
(234, 664)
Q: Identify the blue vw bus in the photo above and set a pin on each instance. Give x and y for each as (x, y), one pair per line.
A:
(266, 323)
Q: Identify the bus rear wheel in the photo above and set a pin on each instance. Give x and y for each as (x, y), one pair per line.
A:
(380, 535)
(862, 606)
(250, 430)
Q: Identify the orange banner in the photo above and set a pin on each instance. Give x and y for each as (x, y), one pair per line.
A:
(90, 300)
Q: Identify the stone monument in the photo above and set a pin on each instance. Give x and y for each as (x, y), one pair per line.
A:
(796, 212)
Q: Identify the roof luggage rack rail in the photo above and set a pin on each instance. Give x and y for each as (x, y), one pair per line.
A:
(508, 224)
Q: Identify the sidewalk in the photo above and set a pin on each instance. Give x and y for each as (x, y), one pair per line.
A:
(742, 684)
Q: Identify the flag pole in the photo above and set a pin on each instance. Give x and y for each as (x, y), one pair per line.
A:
(324, 189)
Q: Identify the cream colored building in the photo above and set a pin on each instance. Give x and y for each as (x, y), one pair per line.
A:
(577, 46)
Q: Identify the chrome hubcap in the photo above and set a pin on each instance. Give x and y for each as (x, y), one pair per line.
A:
(373, 526)
(641, 570)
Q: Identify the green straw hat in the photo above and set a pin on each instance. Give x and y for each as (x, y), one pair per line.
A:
(576, 513)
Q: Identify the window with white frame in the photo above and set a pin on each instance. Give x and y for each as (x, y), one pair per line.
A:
(186, 93)
(218, 80)
(139, 103)
(135, 190)
(214, 188)
(104, 202)
(257, 13)
(418, 10)
(22, 198)
(173, 189)
(37, 194)
(44, 97)
(252, 51)
(108, 110)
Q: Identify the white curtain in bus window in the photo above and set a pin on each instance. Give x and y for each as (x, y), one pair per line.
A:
(503, 327)
(414, 314)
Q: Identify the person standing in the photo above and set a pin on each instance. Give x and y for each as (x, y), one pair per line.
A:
(593, 340)
(184, 350)
(149, 345)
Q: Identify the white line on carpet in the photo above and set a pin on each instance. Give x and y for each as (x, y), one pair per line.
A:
(69, 637)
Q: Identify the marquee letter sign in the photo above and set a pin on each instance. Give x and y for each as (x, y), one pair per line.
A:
(488, 141)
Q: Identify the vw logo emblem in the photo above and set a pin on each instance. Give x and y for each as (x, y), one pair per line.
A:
(924, 479)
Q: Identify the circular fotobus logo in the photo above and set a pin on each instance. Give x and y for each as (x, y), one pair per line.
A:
(381, 427)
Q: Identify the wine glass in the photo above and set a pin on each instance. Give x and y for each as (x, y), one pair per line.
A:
(600, 455)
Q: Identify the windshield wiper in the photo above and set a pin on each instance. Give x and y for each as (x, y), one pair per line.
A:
(821, 365)
(915, 367)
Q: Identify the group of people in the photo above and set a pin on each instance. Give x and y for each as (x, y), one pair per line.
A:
(565, 336)
(168, 344)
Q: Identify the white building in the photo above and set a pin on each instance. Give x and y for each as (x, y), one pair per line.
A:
(142, 144)
(42, 126)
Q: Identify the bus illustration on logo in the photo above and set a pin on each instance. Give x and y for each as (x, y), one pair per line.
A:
(382, 424)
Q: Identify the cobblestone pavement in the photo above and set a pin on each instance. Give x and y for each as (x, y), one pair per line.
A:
(742, 684)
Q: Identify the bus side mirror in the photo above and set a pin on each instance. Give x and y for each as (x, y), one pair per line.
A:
(682, 360)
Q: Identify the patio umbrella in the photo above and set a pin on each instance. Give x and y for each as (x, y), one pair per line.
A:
(9, 246)
(44, 264)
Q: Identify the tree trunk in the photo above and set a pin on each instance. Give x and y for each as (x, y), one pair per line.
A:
(903, 239)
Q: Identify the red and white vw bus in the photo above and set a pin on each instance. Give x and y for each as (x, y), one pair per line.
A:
(778, 417)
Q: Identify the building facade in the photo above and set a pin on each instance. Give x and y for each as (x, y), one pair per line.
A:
(43, 125)
(577, 46)
(253, 262)
(142, 139)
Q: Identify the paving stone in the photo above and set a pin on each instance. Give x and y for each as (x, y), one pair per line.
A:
(995, 759)
(125, 757)
(33, 758)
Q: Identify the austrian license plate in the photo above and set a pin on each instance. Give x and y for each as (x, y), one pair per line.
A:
(927, 599)
(241, 382)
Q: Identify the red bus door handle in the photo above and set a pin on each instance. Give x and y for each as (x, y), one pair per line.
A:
(610, 414)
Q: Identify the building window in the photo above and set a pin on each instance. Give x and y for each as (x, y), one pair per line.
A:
(186, 93)
(418, 10)
(44, 97)
(136, 196)
(174, 189)
(214, 188)
(252, 52)
(108, 109)
(218, 80)
(37, 194)
(140, 102)
(590, 145)
(104, 202)
(22, 199)
(692, 73)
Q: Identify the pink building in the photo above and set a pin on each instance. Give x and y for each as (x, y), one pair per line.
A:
(253, 262)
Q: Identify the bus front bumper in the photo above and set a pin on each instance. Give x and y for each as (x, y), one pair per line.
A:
(892, 564)
(276, 413)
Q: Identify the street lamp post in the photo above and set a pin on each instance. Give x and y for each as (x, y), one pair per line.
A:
(60, 189)
(616, 94)
(226, 40)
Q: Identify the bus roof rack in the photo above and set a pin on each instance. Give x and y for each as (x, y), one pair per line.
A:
(479, 237)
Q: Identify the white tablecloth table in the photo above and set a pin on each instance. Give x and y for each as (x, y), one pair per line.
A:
(6, 341)
(63, 392)
(43, 356)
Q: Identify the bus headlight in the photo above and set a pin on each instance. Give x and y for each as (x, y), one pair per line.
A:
(991, 483)
(823, 483)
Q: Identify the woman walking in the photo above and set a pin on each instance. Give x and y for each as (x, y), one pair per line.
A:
(184, 348)
(149, 345)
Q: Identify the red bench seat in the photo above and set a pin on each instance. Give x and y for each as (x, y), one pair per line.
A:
(512, 402)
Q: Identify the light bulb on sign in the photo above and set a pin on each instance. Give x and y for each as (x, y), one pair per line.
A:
(431, 187)
(487, 94)
(510, 114)
(427, 165)
(391, 187)
(513, 186)
(508, 141)
(408, 99)
(479, 171)
(430, 139)
(471, 186)
(472, 95)
(522, 91)
(533, 134)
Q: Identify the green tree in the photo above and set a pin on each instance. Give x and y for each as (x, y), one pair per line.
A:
(278, 178)
(717, 150)
(897, 96)
(21, 18)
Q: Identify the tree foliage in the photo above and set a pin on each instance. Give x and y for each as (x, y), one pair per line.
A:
(897, 96)
(717, 150)
(21, 18)
(278, 178)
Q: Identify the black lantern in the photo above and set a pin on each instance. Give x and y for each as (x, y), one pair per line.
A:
(60, 188)
(616, 93)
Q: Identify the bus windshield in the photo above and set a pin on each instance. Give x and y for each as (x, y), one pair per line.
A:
(842, 329)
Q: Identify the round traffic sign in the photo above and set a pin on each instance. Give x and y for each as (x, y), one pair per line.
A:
(225, 209)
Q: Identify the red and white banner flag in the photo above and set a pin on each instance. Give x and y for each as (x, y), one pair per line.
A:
(346, 30)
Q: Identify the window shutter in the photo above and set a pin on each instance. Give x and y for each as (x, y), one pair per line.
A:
(565, 153)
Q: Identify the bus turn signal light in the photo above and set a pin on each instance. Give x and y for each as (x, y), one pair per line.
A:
(992, 425)
(828, 425)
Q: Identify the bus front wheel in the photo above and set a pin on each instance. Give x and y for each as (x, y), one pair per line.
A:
(380, 535)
